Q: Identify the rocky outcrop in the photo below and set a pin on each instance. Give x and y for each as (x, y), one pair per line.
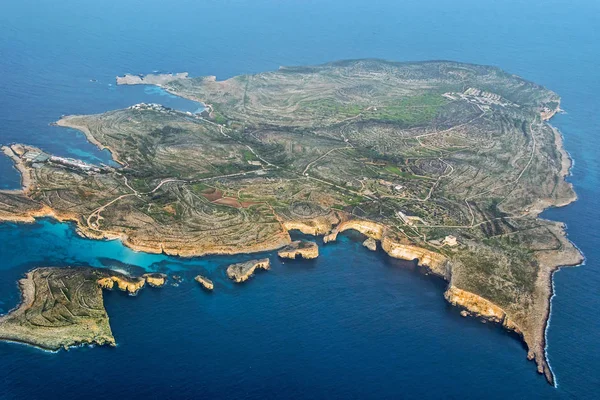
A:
(150, 79)
(205, 282)
(300, 248)
(548, 112)
(126, 284)
(243, 271)
(370, 244)
(316, 226)
(436, 262)
(14, 152)
(367, 228)
(155, 280)
(475, 305)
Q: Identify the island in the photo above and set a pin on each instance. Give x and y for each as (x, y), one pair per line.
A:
(241, 272)
(300, 249)
(155, 279)
(62, 307)
(205, 282)
(446, 163)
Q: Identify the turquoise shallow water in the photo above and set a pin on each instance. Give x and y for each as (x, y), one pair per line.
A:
(352, 324)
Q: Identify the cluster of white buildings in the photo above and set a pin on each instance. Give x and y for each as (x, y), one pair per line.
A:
(149, 106)
(480, 97)
(37, 158)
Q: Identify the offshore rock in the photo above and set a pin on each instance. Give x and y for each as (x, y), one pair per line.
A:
(156, 279)
(205, 282)
(300, 248)
(243, 271)
(370, 244)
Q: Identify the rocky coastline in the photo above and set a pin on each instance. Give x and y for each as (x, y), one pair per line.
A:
(241, 272)
(67, 122)
(370, 244)
(150, 79)
(63, 307)
(300, 249)
(437, 263)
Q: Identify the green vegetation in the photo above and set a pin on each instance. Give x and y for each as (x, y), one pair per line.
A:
(410, 111)
(331, 107)
(249, 156)
(406, 175)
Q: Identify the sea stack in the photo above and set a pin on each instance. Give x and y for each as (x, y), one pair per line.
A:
(370, 244)
(300, 248)
(155, 279)
(205, 282)
(243, 271)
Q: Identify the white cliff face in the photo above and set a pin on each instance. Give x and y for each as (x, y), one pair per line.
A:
(367, 228)
(474, 304)
(436, 262)
(315, 226)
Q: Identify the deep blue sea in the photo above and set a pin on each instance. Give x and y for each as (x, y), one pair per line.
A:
(351, 324)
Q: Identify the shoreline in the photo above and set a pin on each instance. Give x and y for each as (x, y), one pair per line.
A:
(160, 80)
(441, 266)
(64, 123)
(25, 180)
(567, 163)
(70, 329)
(552, 295)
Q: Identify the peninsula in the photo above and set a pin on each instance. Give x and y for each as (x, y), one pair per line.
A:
(446, 163)
(63, 307)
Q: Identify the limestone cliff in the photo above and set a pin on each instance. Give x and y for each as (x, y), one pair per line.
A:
(367, 228)
(436, 262)
(155, 280)
(370, 244)
(63, 307)
(315, 226)
(478, 306)
(125, 284)
(243, 271)
(300, 248)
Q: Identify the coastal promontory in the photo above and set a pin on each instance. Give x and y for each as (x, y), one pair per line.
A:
(63, 307)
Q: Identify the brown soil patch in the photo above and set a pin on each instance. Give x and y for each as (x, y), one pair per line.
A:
(170, 209)
(228, 201)
(212, 194)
